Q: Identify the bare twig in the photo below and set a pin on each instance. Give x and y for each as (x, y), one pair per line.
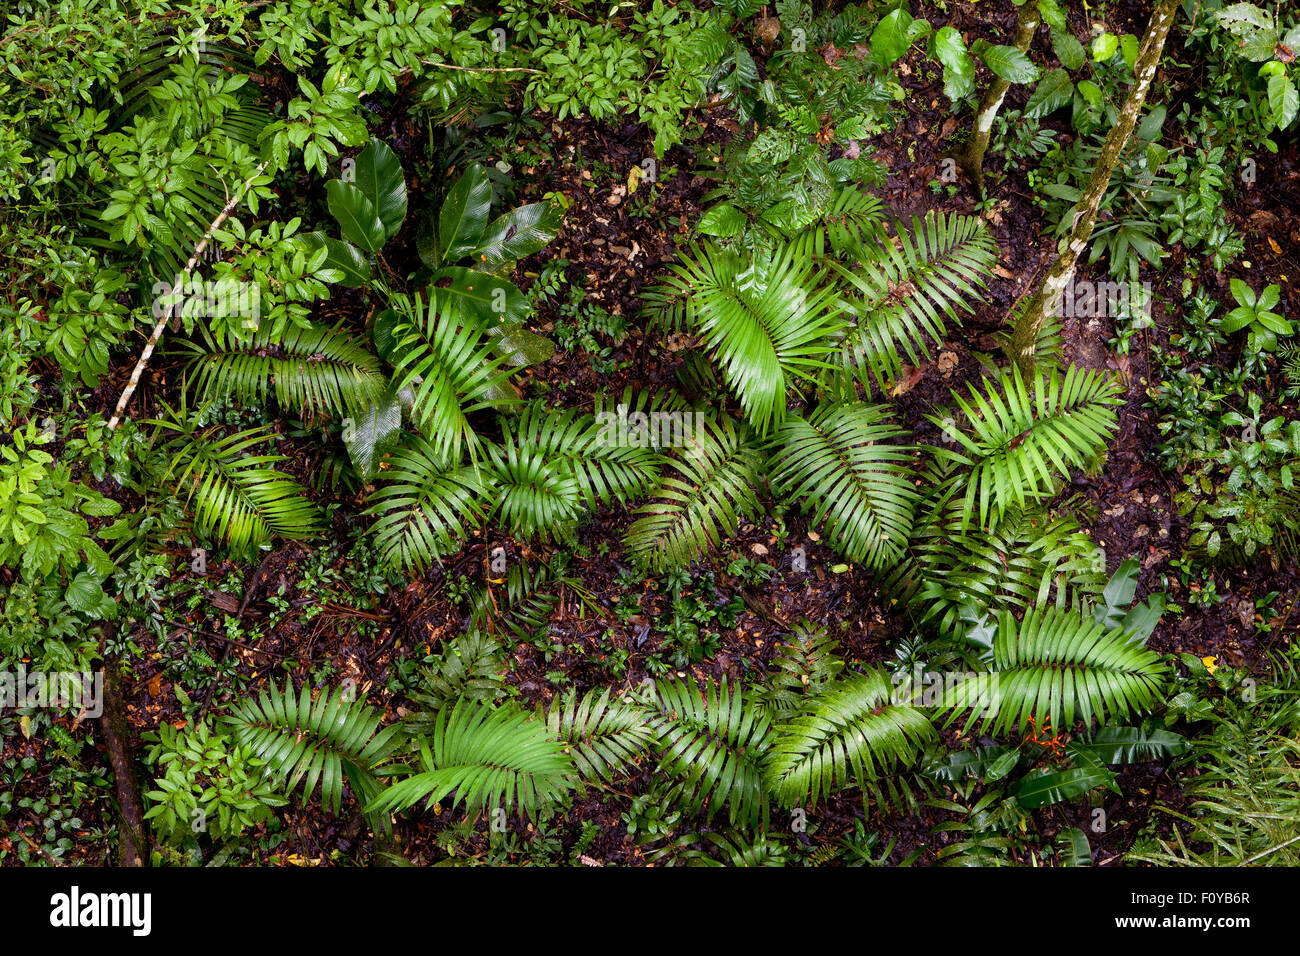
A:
(162, 323)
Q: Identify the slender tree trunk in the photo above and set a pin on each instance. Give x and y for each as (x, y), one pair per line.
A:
(132, 838)
(1047, 299)
(972, 158)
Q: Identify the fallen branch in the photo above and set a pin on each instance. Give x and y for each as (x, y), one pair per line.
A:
(167, 315)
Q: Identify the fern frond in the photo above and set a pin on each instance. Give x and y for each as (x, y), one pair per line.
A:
(234, 492)
(1020, 439)
(851, 730)
(603, 738)
(551, 465)
(449, 367)
(427, 508)
(851, 219)
(694, 508)
(314, 741)
(308, 370)
(714, 742)
(1060, 666)
(802, 668)
(766, 323)
(904, 291)
(1029, 559)
(859, 487)
(489, 758)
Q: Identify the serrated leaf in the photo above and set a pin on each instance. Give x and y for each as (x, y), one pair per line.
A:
(84, 593)
(1053, 91)
(723, 220)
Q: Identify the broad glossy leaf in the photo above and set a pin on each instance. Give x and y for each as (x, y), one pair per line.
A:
(379, 176)
(374, 432)
(1111, 745)
(518, 233)
(894, 34)
(1283, 100)
(1053, 91)
(1057, 787)
(464, 214)
(949, 48)
(519, 347)
(490, 300)
(356, 215)
(1010, 64)
(349, 262)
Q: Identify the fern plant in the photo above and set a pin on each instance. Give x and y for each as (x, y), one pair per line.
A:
(714, 743)
(767, 324)
(849, 730)
(1018, 439)
(446, 366)
(427, 508)
(1057, 666)
(803, 666)
(310, 371)
(487, 758)
(233, 491)
(711, 484)
(860, 488)
(902, 289)
(553, 466)
(1029, 559)
(604, 737)
(315, 741)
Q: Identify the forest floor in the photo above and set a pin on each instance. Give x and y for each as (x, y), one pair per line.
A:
(617, 243)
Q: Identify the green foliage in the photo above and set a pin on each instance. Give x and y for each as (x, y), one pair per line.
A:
(230, 484)
(446, 366)
(487, 758)
(427, 508)
(1028, 560)
(766, 324)
(1253, 312)
(1057, 666)
(209, 784)
(851, 729)
(699, 500)
(1018, 440)
(310, 371)
(859, 487)
(901, 291)
(311, 741)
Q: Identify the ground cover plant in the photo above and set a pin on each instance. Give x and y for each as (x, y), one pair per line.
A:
(649, 433)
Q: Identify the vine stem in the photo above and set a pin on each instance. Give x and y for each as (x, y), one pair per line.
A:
(150, 345)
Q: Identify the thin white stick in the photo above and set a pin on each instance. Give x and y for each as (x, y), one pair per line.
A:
(162, 323)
